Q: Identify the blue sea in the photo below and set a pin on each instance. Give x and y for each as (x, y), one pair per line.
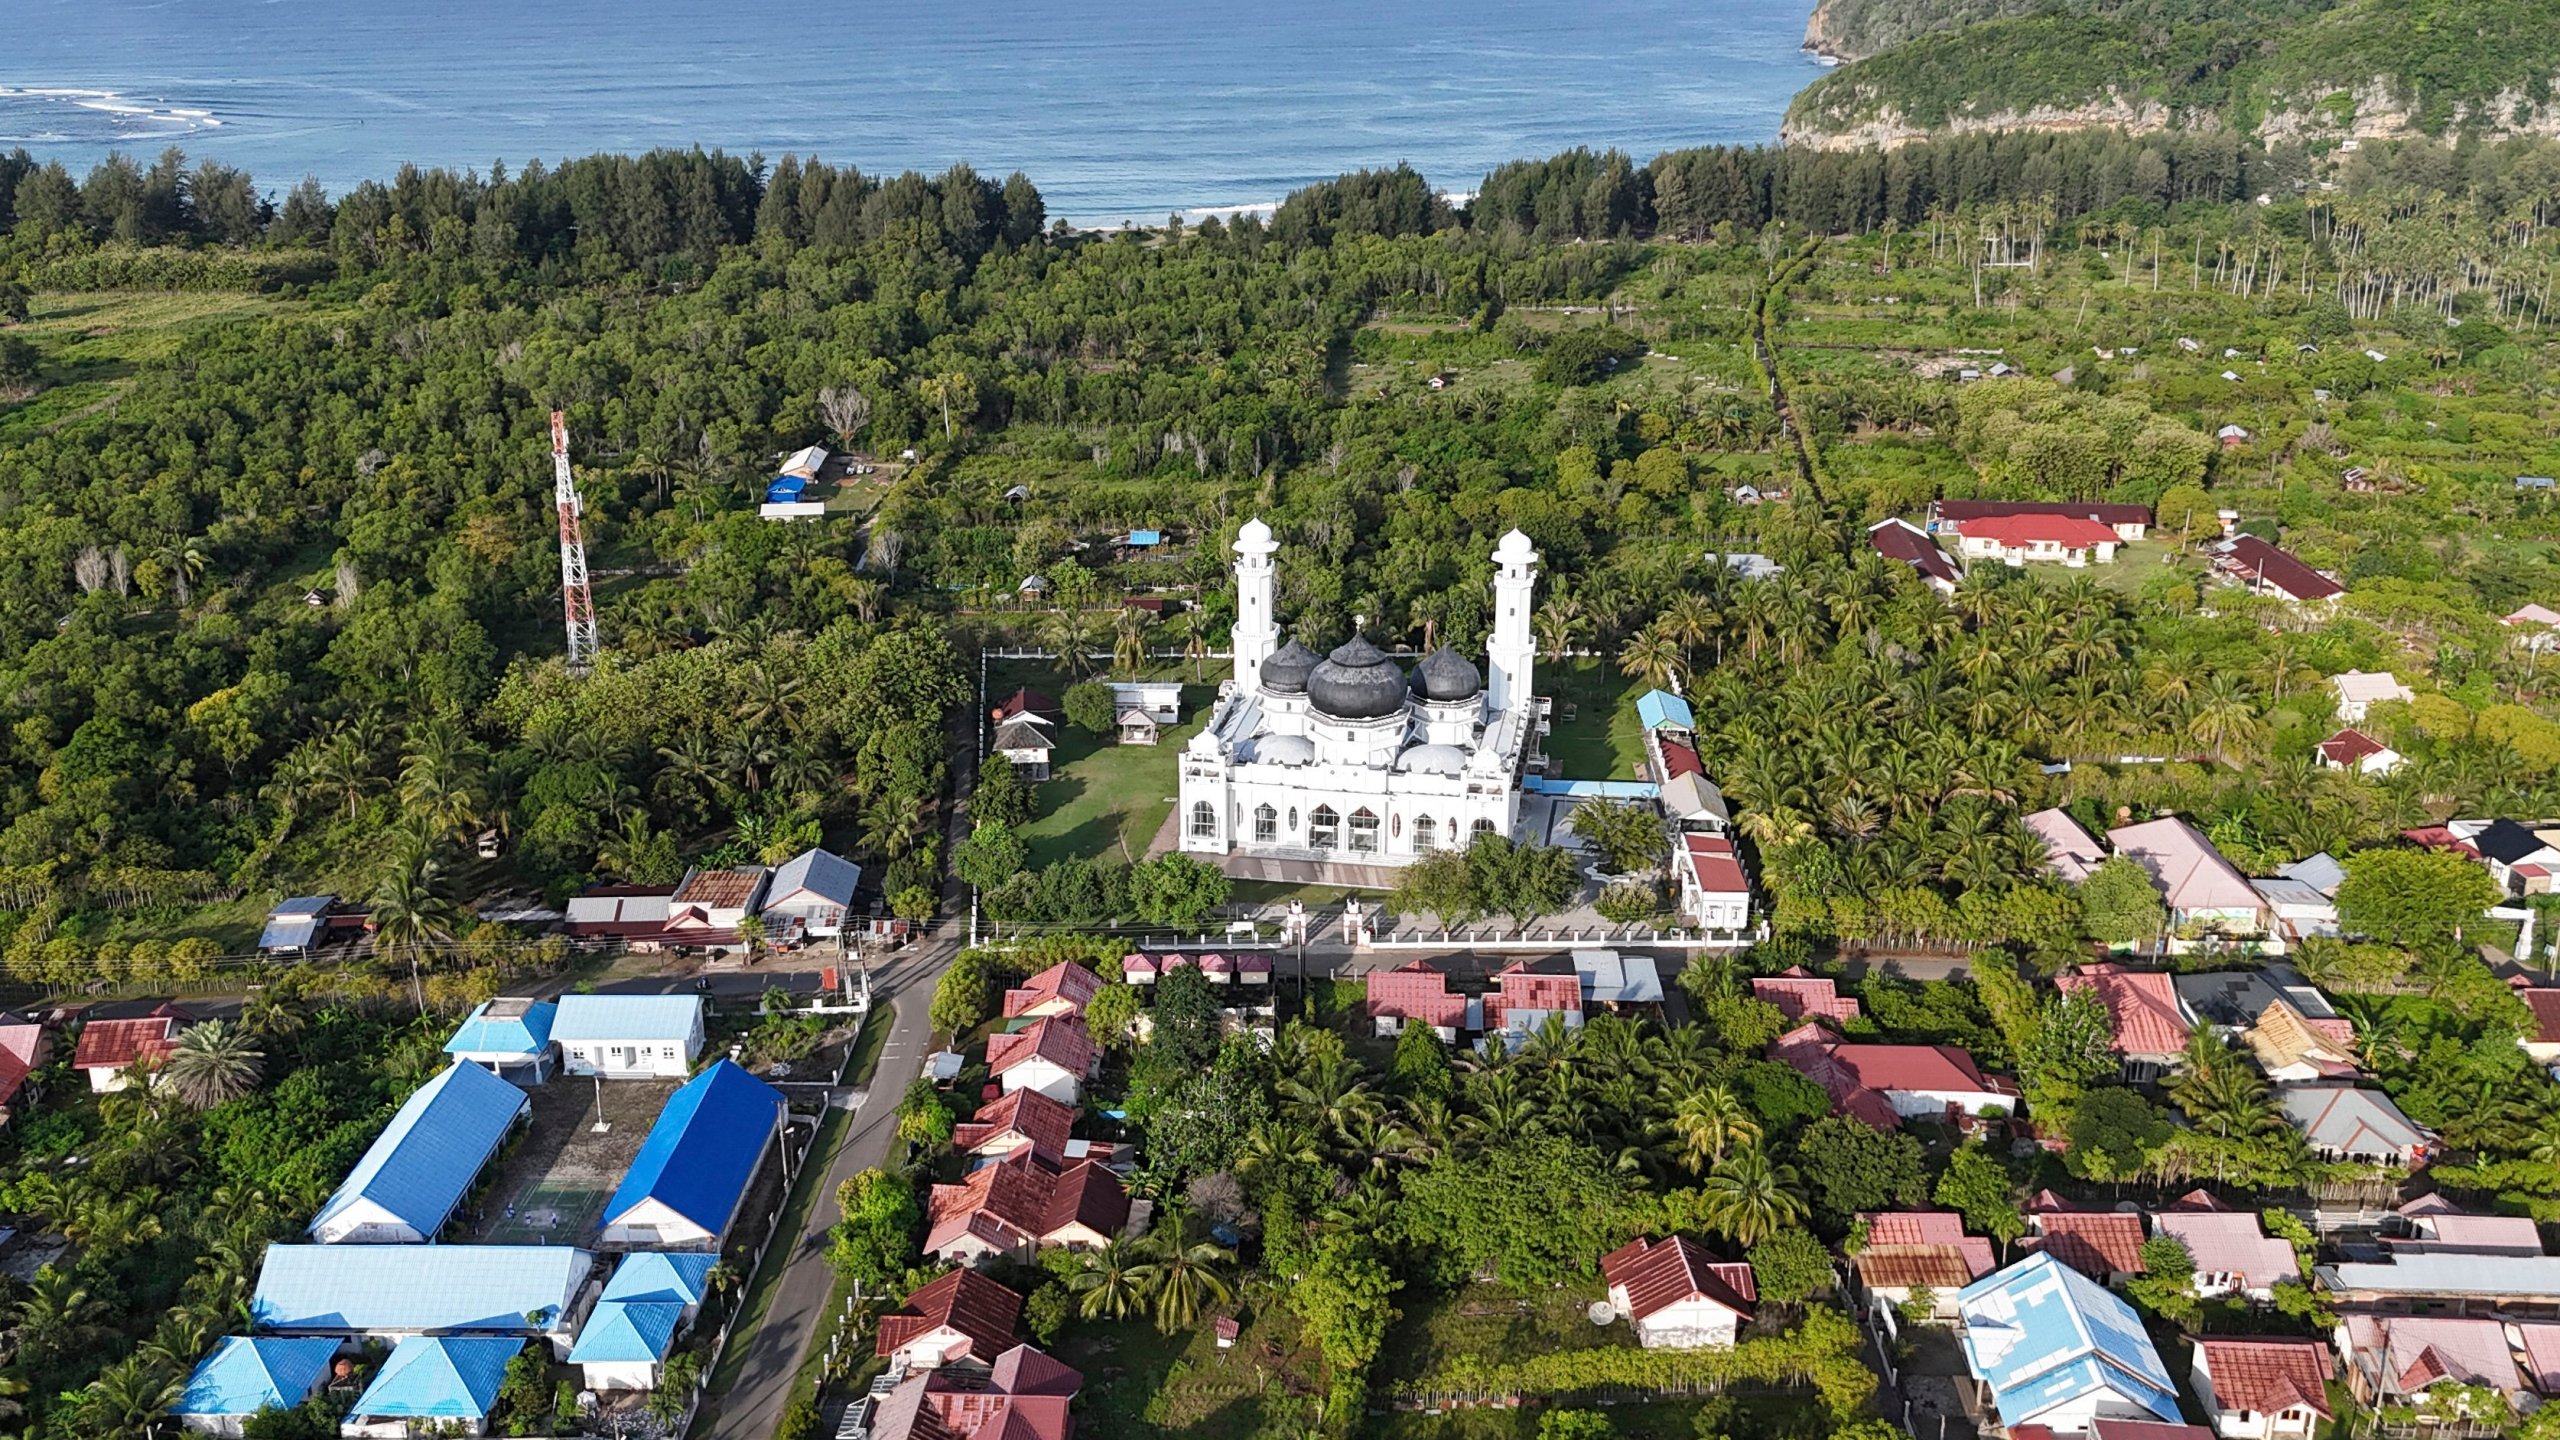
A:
(1118, 111)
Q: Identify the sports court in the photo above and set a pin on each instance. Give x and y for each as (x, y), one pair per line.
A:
(553, 1185)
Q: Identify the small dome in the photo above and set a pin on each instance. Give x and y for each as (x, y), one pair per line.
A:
(1447, 675)
(1282, 750)
(1357, 682)
(1285, 673)
(1432, 760)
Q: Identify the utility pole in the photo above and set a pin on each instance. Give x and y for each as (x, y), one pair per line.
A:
(576, 601)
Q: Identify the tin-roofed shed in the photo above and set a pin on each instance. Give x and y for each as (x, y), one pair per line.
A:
(418, 1169)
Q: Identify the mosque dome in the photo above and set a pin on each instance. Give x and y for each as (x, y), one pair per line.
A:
(1432, 760)
(1447, 675)
(1285, 673)
(1281, 750)
(1357, 682)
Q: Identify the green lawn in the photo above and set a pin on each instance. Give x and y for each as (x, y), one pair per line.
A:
(91, 344)
(1103, 799)
(1140, 1382)
(1602, 741)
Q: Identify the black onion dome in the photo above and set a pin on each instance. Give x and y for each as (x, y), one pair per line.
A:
(1357, 682)
(1447, 675)
(1285, 673)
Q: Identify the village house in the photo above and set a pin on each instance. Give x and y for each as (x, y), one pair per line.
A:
(2358, 691)
(2266, 570)
(808, 897)
(2071, 853)
(1676, 1296)
(509, 1036)
(2352, 749)
(1018, 1121)
(629, 1037)
(2397, 1359)
(1800, 995)
(1023, 1397)
(1526, 992)
(2149, 1026)
(2432, 1223)
(699, 1161)
(2057, 1350)
(1019, 1206)
(24, 1048)
(2298, 909)
(2342, 1122)
(1416, 993)
(390, 1292)
(1910, 1251)
(2232, 1001)
(960, 1318)
(2105, 1245)
(246, 1374)
(650, 1300)
(1055, 1056)
(109, 1050)
(2201, 889)
(1026, 731)
(2233, 1253)
(2038, 539)
(2523, 860)
(1714, 893)
(2264, 1389)
(2292, 1048)
(304, 923)
(1901, 540)
(445, 1383)
(635, 915)
(2542, 1042)
(1617, 982)
(2129, 522)
(1063, 989)
(414, 1175)
(2539, 626)
(710, 905)
(1883, 1085)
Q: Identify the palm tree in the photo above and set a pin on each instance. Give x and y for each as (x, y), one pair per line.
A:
(1710, 1121)
(1129, 640)
(128, 1400)
(2223, 719)
(1653, 657)
(1108, 1280)
(1748, 1199)
(1184, 1280)
(59, 1315)
(213, 1062)
(410, 911)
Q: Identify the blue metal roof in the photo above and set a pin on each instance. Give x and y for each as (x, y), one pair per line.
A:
(785, 489)
(245, 1375)
(656, 1275)
(822, 872)
(353, 1289)
(526, 1034)
(2041, 1333)
(1658, 708)
(1146, 537)
(626, 1017)
(627, 1330)
(703, 1150)
(438, 1377)
(426, 1158)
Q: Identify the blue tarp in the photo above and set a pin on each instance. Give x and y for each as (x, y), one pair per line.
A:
(1592, 789)
(1143, 538)
(785, 491)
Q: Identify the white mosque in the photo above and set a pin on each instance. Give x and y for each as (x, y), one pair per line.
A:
(1347, 759)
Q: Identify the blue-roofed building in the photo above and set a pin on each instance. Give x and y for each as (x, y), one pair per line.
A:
(701, 1157)
(296, 923)
(509, 1036)
(662, 1277)
(424, 1161)
(247, 1374)
(1662, 710)
(624, 1037)
(390, 1292)
(447, 1380)
(1145, 539)
(809, 895)
(623, 1343)
(2057, 1349)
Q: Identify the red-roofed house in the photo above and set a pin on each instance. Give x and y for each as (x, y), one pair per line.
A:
(964, 1316)
(1019, 1207)
(1911, 1250)
(2150, 1026)
(2264, 1389)
(24, 1047)
(1678, 759)
(1676, 1295)
(2232, 1252)
(1019, 1120)
(2395, 1359)
(2355, 750)
(108, 1048)
(2105, 1245)
(1415, 993)
(1053, 1056)
(2543, 1041)
(2266, 570)
(2023, 539)
(1549, 985)
(1883, 1085)
(2130, 522)
(1714, 893)
(1062, 989)
(1802, 995)
(1901, 540)
(1023, 1397)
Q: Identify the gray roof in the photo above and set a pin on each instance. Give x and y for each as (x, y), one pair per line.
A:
(1445, 674)
(1285, 673)
(2445, 1272)
(2239, 997)
(1614, 977)
(2349, 1120)
(1357, 682)
(820, 872)
(2321, 872)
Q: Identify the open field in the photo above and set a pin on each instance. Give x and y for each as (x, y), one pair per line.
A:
(1602, 741)
(91, 345)
(552, 1187)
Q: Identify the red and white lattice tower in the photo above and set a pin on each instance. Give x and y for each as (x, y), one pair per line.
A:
(575, 600)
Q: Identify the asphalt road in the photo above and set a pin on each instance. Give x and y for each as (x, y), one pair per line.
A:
(753, 1408)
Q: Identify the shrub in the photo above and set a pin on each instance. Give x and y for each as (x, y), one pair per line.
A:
(1628, 902)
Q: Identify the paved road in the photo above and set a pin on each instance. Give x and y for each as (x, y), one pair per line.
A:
(754, 1407)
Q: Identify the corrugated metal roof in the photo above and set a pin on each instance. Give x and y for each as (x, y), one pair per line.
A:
(349, 1289)
(424, 1160)
(703, 1150)
(655, 1275)
(527, 1032)
(627, 1331)
(2450, 1272)
(435, 1377)
(245, 1375)
(1658, 708)
(820, 872)
(2040, 1333)
(626, 1017)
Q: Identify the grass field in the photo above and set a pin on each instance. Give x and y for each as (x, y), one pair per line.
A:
(91, 345)
(1602, 741)
(1103, 799)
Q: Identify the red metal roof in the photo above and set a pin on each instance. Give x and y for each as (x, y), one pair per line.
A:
(2018, 531)
(1415, 992)
(1679, 760)
(1900, 540)
(965, 1302)
(2104, 512)
(1861, 1079)
(2349, 746)
(1029, 1117)
(115, 1044)
(1060, 1039)
(2142, 1007)
(1712, 863)
(2249, 558)
(2097, 1243)
(1065, 981)
(1800, 996)
(2545, 1004)
(1021, 1200)
(2269, 1376)
(1658, 1274)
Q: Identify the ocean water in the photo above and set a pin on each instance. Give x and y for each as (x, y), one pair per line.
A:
(1128, 110)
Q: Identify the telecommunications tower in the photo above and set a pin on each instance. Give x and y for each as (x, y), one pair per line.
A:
(575, 600)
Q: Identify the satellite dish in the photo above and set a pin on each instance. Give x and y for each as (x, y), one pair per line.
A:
(1602, 1312)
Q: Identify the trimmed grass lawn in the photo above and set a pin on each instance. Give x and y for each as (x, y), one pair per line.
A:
(1602, 741)
(1103, 799)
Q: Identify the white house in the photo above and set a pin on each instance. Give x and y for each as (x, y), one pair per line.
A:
(1678, 1297)
(1054, 1056)
(629, 1037)
(2360, 690)
(2352, 749)
(1160, 699)
(809, 895)
(697, 1164)
(245, 1375)
(651, 1299)
(2264, 1389)
(1714, 895)
(2056, 1349)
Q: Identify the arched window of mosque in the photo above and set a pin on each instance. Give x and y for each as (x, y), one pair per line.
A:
(1364, 830)
(1204, 821)
(1324, 828)
(1483, 826)
(1266, 824)
(1426, 833)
